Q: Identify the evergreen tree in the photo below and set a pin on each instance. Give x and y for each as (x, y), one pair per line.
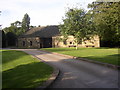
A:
(25, 22)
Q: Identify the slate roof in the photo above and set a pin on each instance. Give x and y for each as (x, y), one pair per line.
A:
(44, 32)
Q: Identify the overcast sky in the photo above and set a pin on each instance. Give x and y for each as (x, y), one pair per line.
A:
(41, 12)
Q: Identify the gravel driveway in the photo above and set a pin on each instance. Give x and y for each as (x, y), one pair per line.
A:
(76, 73)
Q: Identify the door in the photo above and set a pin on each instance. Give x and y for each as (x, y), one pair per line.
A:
(46, 42)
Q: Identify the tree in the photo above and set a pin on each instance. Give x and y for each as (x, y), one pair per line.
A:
(11, 39)
(16, 24)
(106, 21)
(17, 28)
(14, 28)
(25, 22)
(76, 23)
(3, 39)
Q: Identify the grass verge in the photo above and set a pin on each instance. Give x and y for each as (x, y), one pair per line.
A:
(105, 55)
(20, 70)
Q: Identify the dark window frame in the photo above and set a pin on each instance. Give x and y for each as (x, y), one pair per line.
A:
(71, 43)
(31, 43)
(23, 43)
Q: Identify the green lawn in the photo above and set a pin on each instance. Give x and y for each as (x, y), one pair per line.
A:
(106, 55)
(20, 70)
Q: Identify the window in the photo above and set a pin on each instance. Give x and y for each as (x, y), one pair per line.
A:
(30, 43)
(23, 43)
(70, 42)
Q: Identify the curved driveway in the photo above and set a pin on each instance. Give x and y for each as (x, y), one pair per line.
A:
(76, 73)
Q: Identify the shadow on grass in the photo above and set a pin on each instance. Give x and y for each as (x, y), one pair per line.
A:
(103, 48)
(10, 55)
(111, 59)
(26, 76)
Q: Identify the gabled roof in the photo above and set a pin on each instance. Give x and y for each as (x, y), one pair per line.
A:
(44, 32)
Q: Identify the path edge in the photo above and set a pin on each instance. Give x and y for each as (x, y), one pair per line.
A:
(85, 59)
(52, 77)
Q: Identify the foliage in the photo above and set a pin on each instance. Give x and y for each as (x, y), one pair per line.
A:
(77, 23)
(20, 70)
(11, 39)
(14, 28)
(3, 39)
(106, 55)
(17, 28)
(106, 20)
(26, 22)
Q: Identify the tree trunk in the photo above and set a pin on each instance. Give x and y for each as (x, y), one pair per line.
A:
(77, 45)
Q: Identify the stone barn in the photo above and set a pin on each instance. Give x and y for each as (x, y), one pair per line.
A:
(38, 37)
(49, 36)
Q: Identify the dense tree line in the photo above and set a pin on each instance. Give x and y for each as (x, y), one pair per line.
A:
(10, 34)
(106, 22)
(102, 19)
(3, 38)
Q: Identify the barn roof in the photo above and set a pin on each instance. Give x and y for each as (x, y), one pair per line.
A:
(44, 32)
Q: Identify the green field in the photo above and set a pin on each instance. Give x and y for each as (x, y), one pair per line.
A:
(106, 55)
(20, 70)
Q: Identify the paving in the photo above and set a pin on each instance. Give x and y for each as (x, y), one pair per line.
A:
(77, 73)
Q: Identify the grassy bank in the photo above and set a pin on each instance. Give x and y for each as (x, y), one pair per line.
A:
(20, 70)
(106, 55)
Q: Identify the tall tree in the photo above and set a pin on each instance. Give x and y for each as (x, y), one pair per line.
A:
(106, 21)
(25, 22)
(76, 23)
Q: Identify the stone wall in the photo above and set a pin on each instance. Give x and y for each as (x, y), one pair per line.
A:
(31, 42)
(57, 41)
(70, 42)
(93, 42)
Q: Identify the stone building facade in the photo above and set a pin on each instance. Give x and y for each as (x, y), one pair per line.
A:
(70, 42)
(39, 37)
(49, 36)
(29, 42)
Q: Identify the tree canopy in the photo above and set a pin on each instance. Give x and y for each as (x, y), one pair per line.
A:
(106, 20)
(26, 22)
(77, 23)
(14, 28)
(11, 39)
(3, 39)
(17, 28)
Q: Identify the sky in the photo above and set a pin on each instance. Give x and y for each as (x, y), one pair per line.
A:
(41, 12)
